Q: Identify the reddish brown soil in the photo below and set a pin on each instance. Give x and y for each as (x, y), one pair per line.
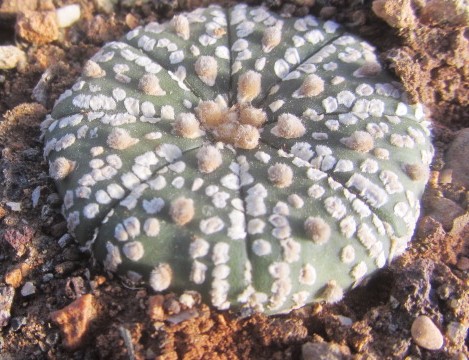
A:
(372, 322)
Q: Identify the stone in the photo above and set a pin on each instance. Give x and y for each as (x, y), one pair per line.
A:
(38, 27)
(442, 12)
(15, 276)
(74, 320)
(10, 8)
(426, 334)
(6, 300)
(28, 289)
(398, 14)
(456, 333)
(68, 15)
(10, 57)
(456, 158)
(14, 205)
(106, 5)
(155, 308)
(445, 211)
(325, 351)
(18, 322)
(463, 263)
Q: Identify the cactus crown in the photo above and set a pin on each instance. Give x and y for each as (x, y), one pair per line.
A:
(266, 162)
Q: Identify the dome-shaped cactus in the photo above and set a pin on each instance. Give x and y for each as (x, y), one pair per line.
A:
(264, 161)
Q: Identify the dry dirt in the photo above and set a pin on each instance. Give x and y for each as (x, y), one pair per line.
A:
(429, 54)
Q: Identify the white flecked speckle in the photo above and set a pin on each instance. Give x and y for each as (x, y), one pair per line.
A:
(151, 227)
(347, 254)
(133, 250)
(211, 225)
(307, 275)
(160, 277)
(153, 206)
(198, 248)
(335, 207)
(91, 210)
(261, 247)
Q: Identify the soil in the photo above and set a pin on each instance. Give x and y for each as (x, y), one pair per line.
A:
(42, 270)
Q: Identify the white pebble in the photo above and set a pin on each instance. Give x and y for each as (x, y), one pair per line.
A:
(67, 15)
(426, 334)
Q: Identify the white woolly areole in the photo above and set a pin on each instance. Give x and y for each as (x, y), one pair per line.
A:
(281, 175)
(206, 68)
(209, 113)
(246, 137)
(360, 141)
(312, 86)
(271, 38)
(182, 210)
(133, 250)
(288, 126)
(150, 85)
(60, 168)
(317, 230)
(120, 139)
(186, 125)
(151, 227)
(93, 70)
(209, 159)
(181, 27)
(249, 86)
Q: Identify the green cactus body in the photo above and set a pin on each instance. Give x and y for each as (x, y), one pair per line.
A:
(266, 162)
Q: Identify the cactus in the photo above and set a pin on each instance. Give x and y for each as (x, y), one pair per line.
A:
(264, 161)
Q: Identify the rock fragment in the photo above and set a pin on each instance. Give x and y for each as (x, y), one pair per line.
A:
(15, 276)
(74, 320)
(9, 8)
(426, 334)
(68, 15)
(10, 57)
(324, 351)
(398, 14)
(28, 289)
(38, 27)
(456, 158)
(6, 299)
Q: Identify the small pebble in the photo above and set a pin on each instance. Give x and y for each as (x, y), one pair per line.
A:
(67, 15)
(171, 306)
(14, 206)
(106, 5)
(456, 158)
(28, 289)
(344, 320)
(463, 264)
(52, 338)
(18, 322)
(64, 240)
(37, 27)
(324, 351)
(155, 308)
(47, 277)
(10, 56)
(36, 194)
(74, 320)
(426, 334)
(14, 277)
(6, 300)
(456, 333)
(54, 199)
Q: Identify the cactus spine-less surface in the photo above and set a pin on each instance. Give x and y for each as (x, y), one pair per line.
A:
(264, 161)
